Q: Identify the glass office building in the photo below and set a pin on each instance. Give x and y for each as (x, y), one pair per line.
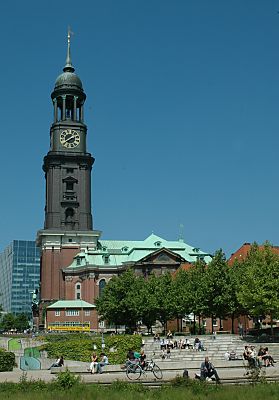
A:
(19, 275)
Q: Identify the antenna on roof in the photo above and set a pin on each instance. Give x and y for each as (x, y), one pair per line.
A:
(181, 233)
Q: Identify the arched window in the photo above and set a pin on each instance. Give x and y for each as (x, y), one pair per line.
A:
(78, 291)
(102, 285)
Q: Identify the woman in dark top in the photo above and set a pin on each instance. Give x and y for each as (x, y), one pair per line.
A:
(142, 359)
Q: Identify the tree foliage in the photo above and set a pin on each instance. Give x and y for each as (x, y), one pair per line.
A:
(215, 290)
(7, 360)
(128, 299)
(258, 284)
(218, 286)
(120, 300)
(18, 322)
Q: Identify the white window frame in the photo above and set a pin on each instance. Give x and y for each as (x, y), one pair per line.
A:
(72, 313)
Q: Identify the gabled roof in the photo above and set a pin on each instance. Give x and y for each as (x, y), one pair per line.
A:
(114, 253)
(170, 256)
(243, 251)
(71, 304)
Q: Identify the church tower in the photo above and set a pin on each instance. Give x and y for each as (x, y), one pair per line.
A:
(68, 226)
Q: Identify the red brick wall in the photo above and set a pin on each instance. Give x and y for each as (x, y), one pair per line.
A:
(89, 289)
(52, 261)
(92, 318)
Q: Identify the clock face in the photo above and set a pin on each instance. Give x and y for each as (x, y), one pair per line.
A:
(69, 138)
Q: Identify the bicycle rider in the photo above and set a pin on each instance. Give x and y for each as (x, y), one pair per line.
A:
(131, 359)
(142, 359)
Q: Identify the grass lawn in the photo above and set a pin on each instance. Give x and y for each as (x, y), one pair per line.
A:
(14, 344)
(123, 391)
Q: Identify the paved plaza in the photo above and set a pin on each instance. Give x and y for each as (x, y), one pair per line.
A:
(229, 371)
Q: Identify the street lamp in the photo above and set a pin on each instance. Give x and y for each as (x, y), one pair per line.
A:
(103, 340)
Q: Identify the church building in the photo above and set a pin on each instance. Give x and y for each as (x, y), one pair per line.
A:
(76, 263)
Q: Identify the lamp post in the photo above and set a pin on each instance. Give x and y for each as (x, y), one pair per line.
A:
(103, 340)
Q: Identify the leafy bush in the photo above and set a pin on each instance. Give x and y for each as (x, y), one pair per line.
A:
(66, 380)
(7, 360)
(26, 385)
(80, 347)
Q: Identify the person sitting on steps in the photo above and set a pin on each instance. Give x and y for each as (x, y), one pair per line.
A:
(102, 363)
(208, 371)
(267, 358)
(94, 363)
(58, 363)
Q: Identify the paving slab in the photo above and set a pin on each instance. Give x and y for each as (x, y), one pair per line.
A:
(45, 375)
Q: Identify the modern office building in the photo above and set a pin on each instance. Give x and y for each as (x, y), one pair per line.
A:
(20, 275)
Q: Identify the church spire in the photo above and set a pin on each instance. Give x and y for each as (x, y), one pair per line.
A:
(69, 66)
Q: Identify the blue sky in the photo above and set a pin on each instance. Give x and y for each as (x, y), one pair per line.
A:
(182, 115)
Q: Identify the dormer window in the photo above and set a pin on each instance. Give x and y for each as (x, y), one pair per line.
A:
(78, 261)
(106, 259)
(157, 244)
(125, 249)
(196, 249)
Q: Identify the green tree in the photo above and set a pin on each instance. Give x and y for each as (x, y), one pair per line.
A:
(120, 301)
(149, 305)
(8, 322)
(21, 322)
(197, 287)
(182, 295)
(165, 295)
(235, 308)
(218, 293)
(258, 285)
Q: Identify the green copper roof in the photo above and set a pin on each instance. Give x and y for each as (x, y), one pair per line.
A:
(71, 304)
(114, 253)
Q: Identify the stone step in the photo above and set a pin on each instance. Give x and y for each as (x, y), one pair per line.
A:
(164, 366)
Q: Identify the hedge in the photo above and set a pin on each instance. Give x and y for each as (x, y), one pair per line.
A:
(80, 347)
(7, 360)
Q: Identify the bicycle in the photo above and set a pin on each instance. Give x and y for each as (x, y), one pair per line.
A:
(135, 371)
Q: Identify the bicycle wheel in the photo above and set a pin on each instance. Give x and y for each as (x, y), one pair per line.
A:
(133, 372)
(157, 371)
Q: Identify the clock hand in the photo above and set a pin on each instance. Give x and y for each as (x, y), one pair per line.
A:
(71, 137)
